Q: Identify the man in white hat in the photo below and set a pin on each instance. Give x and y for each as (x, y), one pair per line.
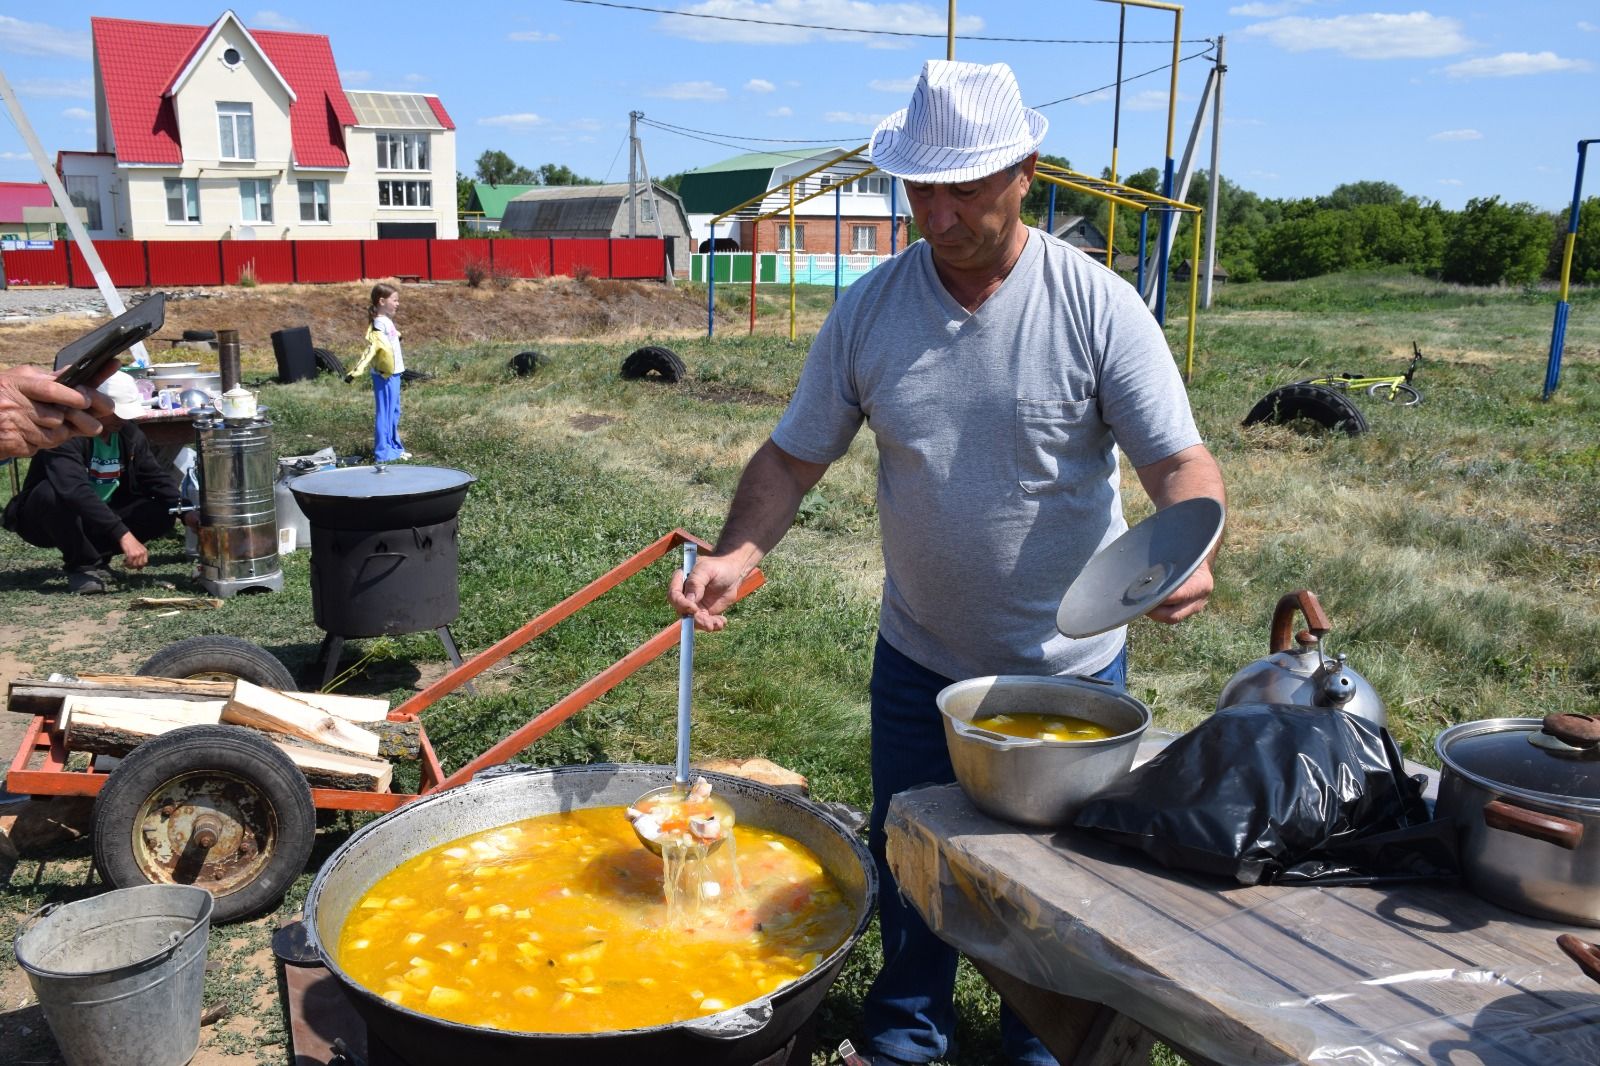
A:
(1000, 370)
(94, 498)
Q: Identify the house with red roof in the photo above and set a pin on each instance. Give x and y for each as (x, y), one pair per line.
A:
(220, 131)
(28, 213)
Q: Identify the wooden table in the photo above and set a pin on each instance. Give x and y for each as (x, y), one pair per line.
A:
(168, 432)
(1098, 948)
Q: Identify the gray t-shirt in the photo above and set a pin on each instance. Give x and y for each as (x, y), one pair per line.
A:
(997, 477)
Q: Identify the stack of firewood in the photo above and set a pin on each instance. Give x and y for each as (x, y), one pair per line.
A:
(343, 742)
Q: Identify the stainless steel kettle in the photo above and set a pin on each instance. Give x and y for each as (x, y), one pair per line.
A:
(1297, 672)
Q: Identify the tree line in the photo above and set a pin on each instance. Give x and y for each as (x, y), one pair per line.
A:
(1359, 225)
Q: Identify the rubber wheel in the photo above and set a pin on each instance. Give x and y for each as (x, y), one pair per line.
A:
(199, 334)
(1401, 394)
(214, 806)
(328, 363)
(1304, 402)
(526, 364)
(216, 658)
(654, 359)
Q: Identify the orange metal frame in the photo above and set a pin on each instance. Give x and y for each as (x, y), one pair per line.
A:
(53, 778)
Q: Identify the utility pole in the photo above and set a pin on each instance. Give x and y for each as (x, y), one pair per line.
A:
(74, 225)
(1216, 181)
(633, 173)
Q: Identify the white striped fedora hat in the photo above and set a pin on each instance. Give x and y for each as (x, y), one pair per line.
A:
(966, 121)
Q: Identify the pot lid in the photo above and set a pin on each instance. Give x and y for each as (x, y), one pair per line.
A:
(1518, 754)
(1141, 568)
(381, 482)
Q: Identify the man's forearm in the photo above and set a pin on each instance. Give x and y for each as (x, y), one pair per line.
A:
(764, 505)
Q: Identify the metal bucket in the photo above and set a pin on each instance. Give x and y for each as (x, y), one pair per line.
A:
(239, 522)
(120, 976)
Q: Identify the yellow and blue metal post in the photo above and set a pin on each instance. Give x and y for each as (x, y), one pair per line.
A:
(1558, 333)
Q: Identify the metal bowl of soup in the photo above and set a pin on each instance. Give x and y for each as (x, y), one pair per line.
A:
(743, 1033)
(1042, 778)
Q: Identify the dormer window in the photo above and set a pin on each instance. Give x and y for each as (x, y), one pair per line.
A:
(231, 57)
(236, 130)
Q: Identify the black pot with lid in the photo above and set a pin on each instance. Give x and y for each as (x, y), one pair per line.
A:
(381, 496)
(1525, 794)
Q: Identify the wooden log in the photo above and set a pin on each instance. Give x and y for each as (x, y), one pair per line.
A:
(33, 696)
(350, 708)
(361, 709)
(108, 726)
(398, 740)
(274, 712)
(330, 769)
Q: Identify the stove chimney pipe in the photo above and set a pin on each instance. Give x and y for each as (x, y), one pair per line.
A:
(228, 357)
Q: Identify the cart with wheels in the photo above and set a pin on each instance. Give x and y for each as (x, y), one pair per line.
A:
(220, 807)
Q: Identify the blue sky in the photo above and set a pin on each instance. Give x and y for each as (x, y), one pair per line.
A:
(1448, 100)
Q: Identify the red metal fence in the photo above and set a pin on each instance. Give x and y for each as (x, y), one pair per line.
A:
(157, 264)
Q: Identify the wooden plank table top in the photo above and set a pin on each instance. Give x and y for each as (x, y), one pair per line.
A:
(1405, 974)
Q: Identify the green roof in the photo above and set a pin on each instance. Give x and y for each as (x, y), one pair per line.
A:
(492, 199)
(718, 187)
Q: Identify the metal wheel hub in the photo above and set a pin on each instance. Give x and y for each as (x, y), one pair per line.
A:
(205, 828)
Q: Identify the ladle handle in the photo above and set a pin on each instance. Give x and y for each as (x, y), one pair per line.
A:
(685, 674)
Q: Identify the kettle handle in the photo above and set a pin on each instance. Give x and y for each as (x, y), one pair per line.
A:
(1283, 619)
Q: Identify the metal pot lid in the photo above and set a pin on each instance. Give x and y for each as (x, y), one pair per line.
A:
(1517, 754)
(381, 482)
(1139, 569)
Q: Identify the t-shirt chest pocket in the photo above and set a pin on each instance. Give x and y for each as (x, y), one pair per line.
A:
(1054, 438)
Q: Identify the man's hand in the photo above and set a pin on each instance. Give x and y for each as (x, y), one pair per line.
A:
(1189, 598)
(707, 592)
(134, 554)
(38, 412)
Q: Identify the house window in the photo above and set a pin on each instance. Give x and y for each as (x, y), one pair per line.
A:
(864, 239)
(231, 57)
(313, 201)
(799, 238)
(183, 199)
(255, 200)
(403, 151)
(405, 194)
(84, 191)
(236, 128)
(647, 209)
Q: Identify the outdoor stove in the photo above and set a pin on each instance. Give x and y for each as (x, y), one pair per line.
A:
(238, 536)
(384, 554)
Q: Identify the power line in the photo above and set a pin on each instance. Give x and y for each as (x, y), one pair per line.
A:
(854, 29)
(1136, 77)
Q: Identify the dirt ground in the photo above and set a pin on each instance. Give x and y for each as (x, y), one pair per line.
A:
(430, 313)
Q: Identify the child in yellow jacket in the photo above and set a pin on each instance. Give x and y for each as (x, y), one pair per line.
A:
(383, 354)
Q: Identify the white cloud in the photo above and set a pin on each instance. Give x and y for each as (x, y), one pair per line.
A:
(781, 112)
(1267, 11)
(531, 35)
(898, 86)
(9, 156)
(586, 124)
(1099, 96)
(39, 39)
(1265, 175)
(851, 14)
(273, 20)
(1148, 100)
(690, 90)
(520, 121)
(853, 118)
(759, 85)
(1456, 135)
(1514, 64)
(1451, 181)
(1417, 35)
(78, 113)
(1588, 27)
(414, 79)
(69, 88)
(355, 77)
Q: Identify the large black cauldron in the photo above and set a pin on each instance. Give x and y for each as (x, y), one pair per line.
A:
(742, 1035)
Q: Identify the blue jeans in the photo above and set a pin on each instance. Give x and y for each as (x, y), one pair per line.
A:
(386, 417)
(910, 1010)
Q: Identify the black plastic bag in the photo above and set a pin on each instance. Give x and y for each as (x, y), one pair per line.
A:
(1265, 793)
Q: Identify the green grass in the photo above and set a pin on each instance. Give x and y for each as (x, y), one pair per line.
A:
(1455, 547)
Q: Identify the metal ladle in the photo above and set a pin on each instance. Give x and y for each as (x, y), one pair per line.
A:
(680, 777)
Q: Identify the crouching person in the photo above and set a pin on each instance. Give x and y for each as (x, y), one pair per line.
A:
(94, 498)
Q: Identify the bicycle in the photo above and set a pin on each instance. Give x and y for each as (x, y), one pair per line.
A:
(1396, 388)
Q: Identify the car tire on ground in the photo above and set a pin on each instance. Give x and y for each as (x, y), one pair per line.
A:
(199, 334)
(328, 363)
(218, 658)
(526, 364)
(1309, 403)
(215, 806)
(654, 359)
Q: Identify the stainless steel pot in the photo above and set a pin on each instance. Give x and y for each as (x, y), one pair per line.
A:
(744, 1034)
(1525, 795)
(1039, 783)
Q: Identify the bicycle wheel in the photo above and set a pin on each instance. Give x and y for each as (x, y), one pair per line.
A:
(1396, 392)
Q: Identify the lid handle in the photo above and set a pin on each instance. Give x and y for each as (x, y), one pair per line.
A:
(1283, 620)
(1579, 730)
(1508, 817)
